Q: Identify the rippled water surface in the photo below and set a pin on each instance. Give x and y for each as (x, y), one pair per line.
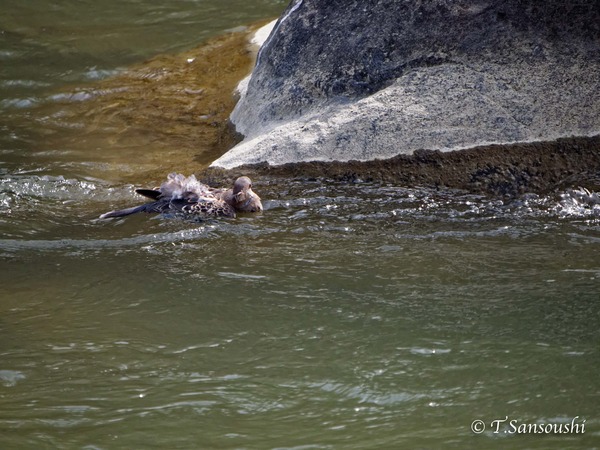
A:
(344, 316)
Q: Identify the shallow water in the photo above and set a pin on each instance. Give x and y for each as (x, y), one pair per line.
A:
(344, 316)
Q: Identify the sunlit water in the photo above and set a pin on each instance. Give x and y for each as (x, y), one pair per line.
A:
(344, 316)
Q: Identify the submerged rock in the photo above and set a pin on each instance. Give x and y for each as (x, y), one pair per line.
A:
(360, 80)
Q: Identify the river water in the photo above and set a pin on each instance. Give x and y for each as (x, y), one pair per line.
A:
(345, 316)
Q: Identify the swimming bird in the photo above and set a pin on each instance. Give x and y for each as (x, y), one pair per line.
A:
(187, 196)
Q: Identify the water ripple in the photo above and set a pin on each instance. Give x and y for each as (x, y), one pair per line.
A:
(135, 241)
(11, 377)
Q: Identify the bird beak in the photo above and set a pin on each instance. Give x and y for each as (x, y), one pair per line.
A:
(252, 201)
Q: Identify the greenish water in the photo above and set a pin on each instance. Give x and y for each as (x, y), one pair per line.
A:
(346, 316)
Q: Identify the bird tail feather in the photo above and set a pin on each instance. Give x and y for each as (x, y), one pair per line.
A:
(124, 212)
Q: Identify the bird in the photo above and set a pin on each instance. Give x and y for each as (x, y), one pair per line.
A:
(191, 198)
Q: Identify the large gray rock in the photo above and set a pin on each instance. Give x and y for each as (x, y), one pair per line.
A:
(366, 79)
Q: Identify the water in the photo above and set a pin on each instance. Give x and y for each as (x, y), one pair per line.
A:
(345, 316)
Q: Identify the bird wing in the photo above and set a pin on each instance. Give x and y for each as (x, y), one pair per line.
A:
(209, 207)
(154, 194)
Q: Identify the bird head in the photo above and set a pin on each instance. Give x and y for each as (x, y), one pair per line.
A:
(244, 198)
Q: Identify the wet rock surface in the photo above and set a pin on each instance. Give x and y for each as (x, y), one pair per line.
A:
(359, 80)
(499, 170)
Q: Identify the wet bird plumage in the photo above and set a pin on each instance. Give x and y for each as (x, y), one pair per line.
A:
(187, 196)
